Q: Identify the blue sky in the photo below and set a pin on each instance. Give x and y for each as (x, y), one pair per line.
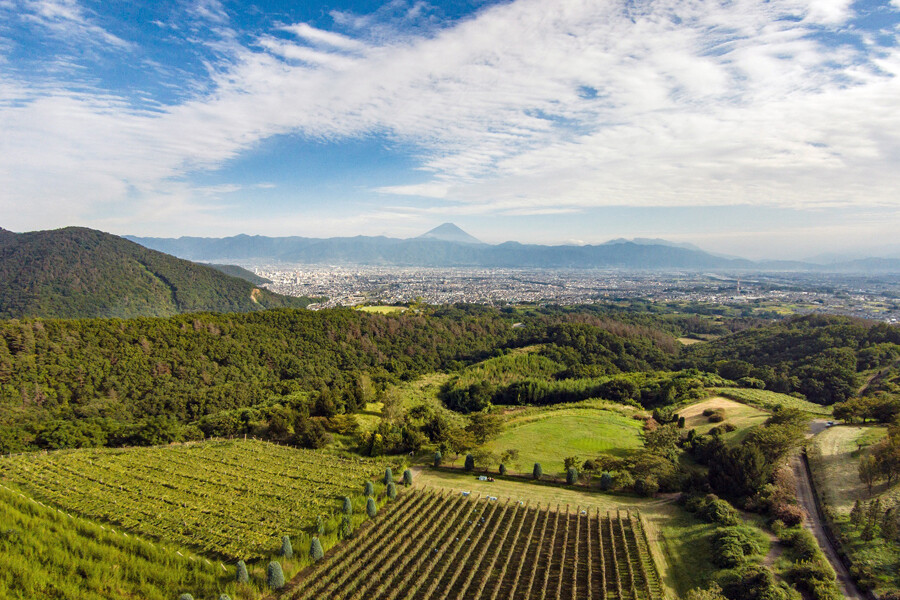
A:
(759, 128)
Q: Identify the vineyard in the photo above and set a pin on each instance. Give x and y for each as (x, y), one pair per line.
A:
(446, 545)
(45, 553)
(234, 499)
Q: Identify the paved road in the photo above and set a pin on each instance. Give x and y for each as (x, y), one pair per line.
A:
(813, 522)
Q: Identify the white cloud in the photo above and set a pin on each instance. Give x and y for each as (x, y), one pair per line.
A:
(67, 19)
(695, 103)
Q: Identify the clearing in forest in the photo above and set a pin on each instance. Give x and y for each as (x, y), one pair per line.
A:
(741, 416)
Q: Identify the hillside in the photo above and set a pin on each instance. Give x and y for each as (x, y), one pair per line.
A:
(77, 272)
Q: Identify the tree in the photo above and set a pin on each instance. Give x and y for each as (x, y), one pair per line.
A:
(347, 506)
(286, 550)
(606, 481)
(388, 476)
(241, 575)
(407, 477)
(346, 527)
(437, 458)
(371, 509)
(868, 471)
(470, 462)
(889, 525)
(484, 426)
(571, 475)
(274, 575)
(391, 490)
(510, 456)
(315, 549)
(857, 514)
(537, 471)
(369, 489)
(502, 469)
(569, 462)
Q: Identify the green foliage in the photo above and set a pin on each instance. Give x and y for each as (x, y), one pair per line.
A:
(371, 509)
(315, 549)
(606, 481)
(287, 551)
(369, 489)
(347, 506)
(391, 490)
(438, 457)
(502, 469)
(388, 476)
(320, 525)
(470, 463)
(185, 597)
(572, 476)
(274, 575)
(537, 472)
(407, 477)
(732, 546)
(713, 509)
(224, 597)
(241, 575)
(346, 527)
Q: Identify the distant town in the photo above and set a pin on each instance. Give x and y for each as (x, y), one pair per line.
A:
(872, 297)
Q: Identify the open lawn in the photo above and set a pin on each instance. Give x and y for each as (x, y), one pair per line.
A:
(384, 310)
(678, 541)
(767, 400)
(549, 436)
(740, 415)
(834, 460)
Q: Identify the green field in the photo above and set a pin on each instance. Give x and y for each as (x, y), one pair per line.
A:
(45, 553)
(229, 499)
(679, 542)
(743, 417)
(834, 459)
(383, 310)
(771, 400)
(548, 436)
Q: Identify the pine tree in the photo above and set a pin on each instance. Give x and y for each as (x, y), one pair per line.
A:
(868, 532)
(606, 481)
(874, 511)
(856, 514)
(241, 575)
(571, 475)
(320, 525)
(680, 422)
(889, 525)
(274, 575)
(391, 490)
(388, 476)
(287, 550)
(369, 489)
(470, 463)
(502, 469)
(348, 506)
(537, 472)
(346, 527)
(315, 549)
(438, 457)
(407, 477)
(371, 509)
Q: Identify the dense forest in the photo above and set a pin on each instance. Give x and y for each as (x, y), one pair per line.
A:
(77, 272)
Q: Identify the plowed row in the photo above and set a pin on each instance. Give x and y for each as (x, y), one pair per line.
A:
(437, 545)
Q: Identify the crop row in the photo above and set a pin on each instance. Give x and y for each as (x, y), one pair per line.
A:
(440, 546)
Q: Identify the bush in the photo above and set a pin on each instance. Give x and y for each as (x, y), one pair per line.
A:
(274, 575)
(371, 509)
(388, 476)
(729, 427)
(717, 416)
(606, 481)
(646, 486)
(369, 489)
(241, 575)
(502, 469)
(287, 550)
(346, 527)
(470, 463)
(185, 597)
(802, 542)
(713, 509)
(315, 549)
(537, 472)
(571, 476)
(391, 490)
(407, 478)
(789, 514)
(224, 597)
(732, 546)
(347, 507)
(438, 457)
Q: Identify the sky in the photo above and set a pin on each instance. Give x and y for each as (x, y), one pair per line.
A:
(765, 129)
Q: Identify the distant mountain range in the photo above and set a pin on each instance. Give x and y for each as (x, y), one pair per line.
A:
(76, 272)
(450, 246)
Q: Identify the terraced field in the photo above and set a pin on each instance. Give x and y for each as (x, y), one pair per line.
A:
(233, 499)
(440, 545)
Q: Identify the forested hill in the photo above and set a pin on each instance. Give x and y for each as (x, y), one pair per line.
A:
(77, 272)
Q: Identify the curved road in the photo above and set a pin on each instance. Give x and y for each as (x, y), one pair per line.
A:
(813, 522)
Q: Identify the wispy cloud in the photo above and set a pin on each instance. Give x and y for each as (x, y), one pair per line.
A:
(530, 107)
(70, 21)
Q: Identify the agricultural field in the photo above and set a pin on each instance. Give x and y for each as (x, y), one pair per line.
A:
(741, 416)
(447, 545)
(767, 400)
(45, 553)
(548, 436)
(382, 309)
(834, 460)
(229, 499)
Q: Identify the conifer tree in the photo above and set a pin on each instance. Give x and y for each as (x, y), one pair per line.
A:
(502, 469)
(371, 509)
(407, 477)
(315, 549)
(391, 490)
(346, 527)
(868, 532)
(348, 506)
(470, 463)
(369, 489)
(537, 472)
(388, 476)
(438, 457)
(606, 481)
(241, 575)
(274, 575)
(287, 550)
(571, 475)
(889, 525)
(857, 513)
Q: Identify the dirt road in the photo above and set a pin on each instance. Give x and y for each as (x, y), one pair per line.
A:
(813, 522)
